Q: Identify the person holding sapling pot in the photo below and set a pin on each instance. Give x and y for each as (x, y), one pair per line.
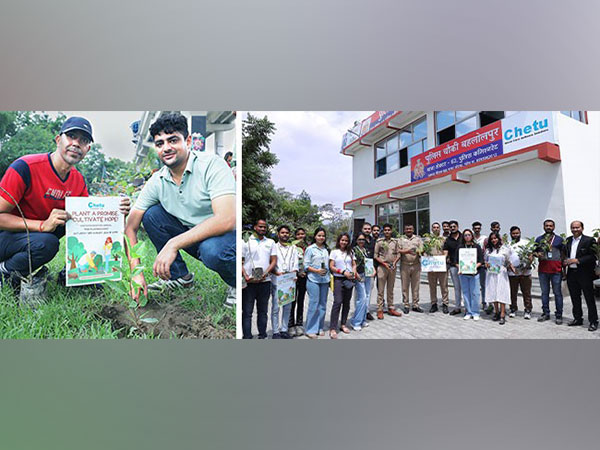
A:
(433, 246)
(386, 254)
(297, 307)
(366, 230)
(342, 265)
(497, 260)
(522, 261)
(259, 257)
(365, 272)
(470, 258)
(37, 185)
(287, 262)
(189, 204)
(549, 252)
(316, 264)
(450, 249)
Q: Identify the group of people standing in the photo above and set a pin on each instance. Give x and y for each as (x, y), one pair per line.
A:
(502, 269)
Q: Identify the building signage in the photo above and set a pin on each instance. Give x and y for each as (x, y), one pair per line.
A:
(507, 135)
(362, 128)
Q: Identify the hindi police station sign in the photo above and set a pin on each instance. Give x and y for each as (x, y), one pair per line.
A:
(507, 135)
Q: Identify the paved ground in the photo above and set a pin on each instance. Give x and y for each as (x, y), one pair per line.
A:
(443, 326)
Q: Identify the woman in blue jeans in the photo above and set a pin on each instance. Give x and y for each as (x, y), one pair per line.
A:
(316, 262)
(359, 319)
(469, 283)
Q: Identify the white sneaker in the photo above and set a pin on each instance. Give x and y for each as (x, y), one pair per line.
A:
(358, 328)
(230, 299)
(467, 316)
(161, 285)
(365, 324)
(476, 318)
(511, 314)
(299, 331)
(527, 315)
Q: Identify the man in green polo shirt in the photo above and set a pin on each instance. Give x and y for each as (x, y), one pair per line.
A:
(189, 204)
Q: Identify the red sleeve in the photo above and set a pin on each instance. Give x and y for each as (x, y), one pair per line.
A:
(14, 184)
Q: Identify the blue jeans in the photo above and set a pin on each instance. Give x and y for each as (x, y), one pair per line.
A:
(360, 305)
(255, 293)
(14, 249)
(317, 306)
(545, 280)
(470, 290)
(456, 283)
(217, 252)
(285, 312)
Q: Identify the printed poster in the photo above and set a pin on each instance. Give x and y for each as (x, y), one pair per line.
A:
(433, 263)
(286, 288)
(496, 262)
(467, 261)
(94, 236)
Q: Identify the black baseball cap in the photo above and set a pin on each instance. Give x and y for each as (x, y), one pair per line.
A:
(77, 123)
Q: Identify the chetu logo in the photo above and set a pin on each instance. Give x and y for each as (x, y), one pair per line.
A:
(538, 126)
(93, 205)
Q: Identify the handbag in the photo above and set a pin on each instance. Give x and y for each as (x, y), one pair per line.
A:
(348, 284)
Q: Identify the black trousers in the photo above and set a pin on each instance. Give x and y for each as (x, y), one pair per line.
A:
(578, 281)
(259, 293)
(341, 299)
(297, 310)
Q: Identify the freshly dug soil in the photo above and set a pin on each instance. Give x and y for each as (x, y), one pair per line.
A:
(173, 321)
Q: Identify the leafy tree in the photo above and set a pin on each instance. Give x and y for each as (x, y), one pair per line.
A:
(76, 251)
(26, 133)
(335, 221)
(93, 166)
(295, 210)
(116, 248)
(259, 193)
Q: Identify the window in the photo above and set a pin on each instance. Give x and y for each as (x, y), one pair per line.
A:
(394, 152)
(414, 211)
(577, 115)
(452, 124)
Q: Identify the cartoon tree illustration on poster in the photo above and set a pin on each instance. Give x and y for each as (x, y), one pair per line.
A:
(76, 250)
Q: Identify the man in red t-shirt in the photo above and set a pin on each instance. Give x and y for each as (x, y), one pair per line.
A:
(38, 184)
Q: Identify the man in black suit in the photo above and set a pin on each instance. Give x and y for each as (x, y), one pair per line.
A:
(579, 262)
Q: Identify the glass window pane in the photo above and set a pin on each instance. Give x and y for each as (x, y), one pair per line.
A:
(423, 222)
(414, 150)
(409, 219)
(392, 144)
(403, 157)
(460, 115)
(509, 113)
(566, 113)
(425, 146)
(381, 167)
(443, 119)
(410, 204)
(420, 129)
(380, 150)
(394, 221)
(381, 211)
(405, 139)
(423, 201)
(466, 126)
(394, 207)
(576, 115)
(393, 162)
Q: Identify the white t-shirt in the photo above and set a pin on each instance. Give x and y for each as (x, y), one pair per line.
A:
(257, 253)
(287, 260)
(342, 261)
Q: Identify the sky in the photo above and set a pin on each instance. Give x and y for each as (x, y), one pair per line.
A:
(308, 145)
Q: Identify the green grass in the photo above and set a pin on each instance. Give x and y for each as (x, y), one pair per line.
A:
(71, 313)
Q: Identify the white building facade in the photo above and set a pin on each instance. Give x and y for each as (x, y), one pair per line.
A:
(514, 167)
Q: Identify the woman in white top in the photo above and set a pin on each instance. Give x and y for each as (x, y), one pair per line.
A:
(497, 286)
(343, 267)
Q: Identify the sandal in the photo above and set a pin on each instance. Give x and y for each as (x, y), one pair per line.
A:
(332, 334)
(345, 329)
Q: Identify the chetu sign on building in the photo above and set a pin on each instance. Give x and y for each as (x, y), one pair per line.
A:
(502, 137)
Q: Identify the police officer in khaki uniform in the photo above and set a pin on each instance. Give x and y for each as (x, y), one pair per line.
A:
(386, 254)
(410, 268)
